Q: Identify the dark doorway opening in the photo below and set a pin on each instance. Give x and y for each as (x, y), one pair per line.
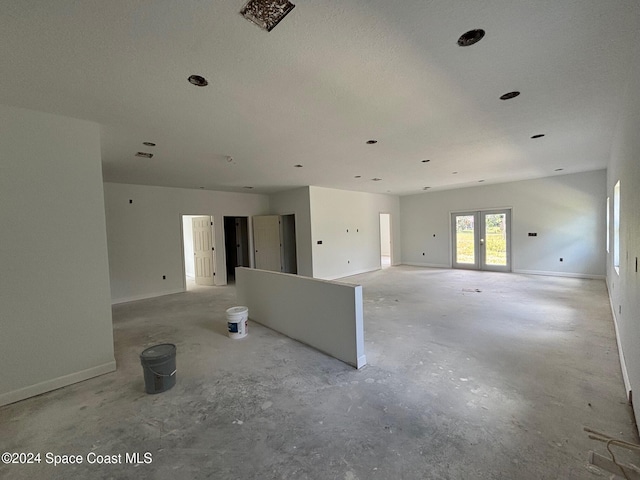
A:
(236, 242)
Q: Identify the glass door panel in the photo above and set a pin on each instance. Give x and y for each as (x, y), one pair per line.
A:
(495, 227)
(465, 251)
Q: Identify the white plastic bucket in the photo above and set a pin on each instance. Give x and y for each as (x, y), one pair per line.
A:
(237, 322)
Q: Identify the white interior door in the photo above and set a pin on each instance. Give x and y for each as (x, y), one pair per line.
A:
(482, 240)
(203, 250)
(266, 242)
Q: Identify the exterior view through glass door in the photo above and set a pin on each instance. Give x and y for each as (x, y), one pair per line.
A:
(482, 240)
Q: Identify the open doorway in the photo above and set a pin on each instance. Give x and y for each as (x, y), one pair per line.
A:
(236, 243)
(199, 251)
(385, 240)
(288, 236)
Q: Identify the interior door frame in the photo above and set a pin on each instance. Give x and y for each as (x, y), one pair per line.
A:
(480, 239)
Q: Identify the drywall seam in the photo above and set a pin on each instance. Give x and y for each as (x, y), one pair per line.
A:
(55, 383)
(623, 364)
(559, 274)
(147, 295)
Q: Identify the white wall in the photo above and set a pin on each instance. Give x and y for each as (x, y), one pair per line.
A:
(297, 202)
(325, 315)
(624, 287)
(187, 236)
(385, 235)
(55, 314)
(343, 253)
(145, 236)
(566, 211)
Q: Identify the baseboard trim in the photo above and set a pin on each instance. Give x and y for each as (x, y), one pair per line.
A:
(350, 274)
(623, 364)
(55, 383)
(428, 265)
(144, 296)
(361, 362)
(559, 274)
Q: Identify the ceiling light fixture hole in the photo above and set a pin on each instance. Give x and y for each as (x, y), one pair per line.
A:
(471, 37)
(426, 161)
(510, 95)
(298, 166)
(198, 81)
(539, 135)
(372, 142)
(149, 144)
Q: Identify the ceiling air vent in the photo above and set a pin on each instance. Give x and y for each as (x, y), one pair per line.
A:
(266, 13)
(144, 155)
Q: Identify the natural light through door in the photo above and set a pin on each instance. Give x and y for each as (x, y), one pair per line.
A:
(481, 240)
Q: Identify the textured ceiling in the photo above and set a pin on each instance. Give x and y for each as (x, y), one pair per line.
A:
(332, 75)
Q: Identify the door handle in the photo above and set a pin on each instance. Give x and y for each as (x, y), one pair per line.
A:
(482, 241)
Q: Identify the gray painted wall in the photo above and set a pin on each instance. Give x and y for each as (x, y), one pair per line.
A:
(566, 211)
(624, 286)
(343, 253)
(145, 237)
(55, 313)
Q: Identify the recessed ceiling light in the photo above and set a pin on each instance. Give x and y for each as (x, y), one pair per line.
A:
(426, 188)
(558, 169)
(266, 13)
(198, 81)
(480, 181)
(298, 166)
(509, 96)
(144, 155)
(358, 176)
(454, 173)
(149, 144)
(471, 37)
(426, 161)
(376, 179)
(372, 142)
(248, 188)
(539, 135)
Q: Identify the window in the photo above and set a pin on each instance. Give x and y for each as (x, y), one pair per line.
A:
(608, 222)
(616, 227)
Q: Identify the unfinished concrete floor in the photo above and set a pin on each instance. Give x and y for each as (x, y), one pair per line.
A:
(471, 375)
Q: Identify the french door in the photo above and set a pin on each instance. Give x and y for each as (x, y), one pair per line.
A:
(482, 240)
